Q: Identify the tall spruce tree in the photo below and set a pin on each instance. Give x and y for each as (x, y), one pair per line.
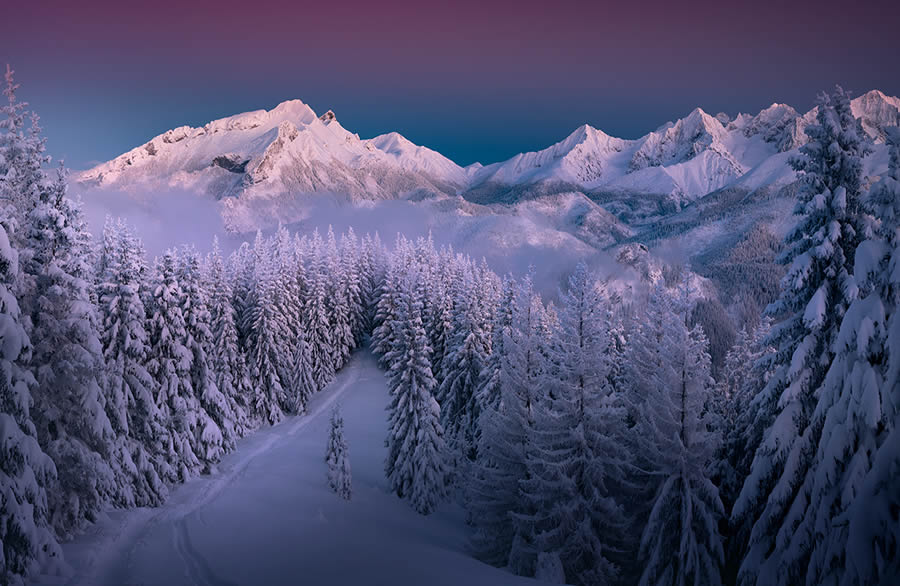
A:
(854, 481)
(228, 363)
(670, 389)
(467, 350)
(170, 365)
(415, 464)
(131, 405)
(265, 350)
(215, 419)
(577, 454)
(25, 469)
(816, 292)
(70, 401)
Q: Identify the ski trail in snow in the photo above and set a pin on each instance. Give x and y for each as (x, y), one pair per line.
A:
(197, 567)
(128, 533)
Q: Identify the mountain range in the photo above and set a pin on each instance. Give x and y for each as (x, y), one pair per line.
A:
(701, 182)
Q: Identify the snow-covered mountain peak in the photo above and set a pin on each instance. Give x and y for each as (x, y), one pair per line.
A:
(774, 124)
(412, 157)
(876, 111)
(294, 110)
(680, 141)
(580, 158)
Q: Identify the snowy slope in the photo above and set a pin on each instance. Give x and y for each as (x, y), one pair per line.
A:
(268, 517)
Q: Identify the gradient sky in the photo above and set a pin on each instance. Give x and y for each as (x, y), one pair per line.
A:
(474, 79)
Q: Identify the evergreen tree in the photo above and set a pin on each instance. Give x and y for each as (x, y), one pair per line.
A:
(243, 270)
(130, 403)
(669, 369)
(501, 329)
(265, 350)
(466, 354)
(352, 284)
(52, 281)
(302, 385)
(319, 327)
(228, 363)
(70, 403)
(744, 373)
(289, 305)
(215, 419)
(576, 454)
(505, 431)
(816, 293)
(371, 271)
(22, 157)
(439, 315)
(25, 469)
(415, 442)
(385, 317)
(337, 456)
(170, 366)
(337, 303)
(854, 481)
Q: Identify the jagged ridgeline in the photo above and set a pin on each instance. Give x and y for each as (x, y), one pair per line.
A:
(612, 435)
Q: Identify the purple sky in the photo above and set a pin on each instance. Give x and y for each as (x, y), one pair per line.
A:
(476, 80)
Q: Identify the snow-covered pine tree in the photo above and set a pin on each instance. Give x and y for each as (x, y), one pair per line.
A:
(170, 366)
(265, 351)
(816, 292)
(337, 302)
(352, 283)
(43, 276)
(242, 263)
(743, 415)
(415, 464)
(337, 456)
(302, 385)
(531, 373)
(319, 328)
(368, 286)
(501, 329)
(467, 351)
(385, 317)
(744, 374)
(130, 403)
(505, 430)
(855, 482)
(23, 156)
(577, 454)
(669, 373)
(215, 420)
(25, 470)
(228, 363)
(289, 304)
(439, 314)
(67, 358)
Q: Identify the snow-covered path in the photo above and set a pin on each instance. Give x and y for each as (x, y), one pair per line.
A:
(267, 516)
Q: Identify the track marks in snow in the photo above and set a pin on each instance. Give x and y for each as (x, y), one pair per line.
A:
(197, 568)
(119, 540)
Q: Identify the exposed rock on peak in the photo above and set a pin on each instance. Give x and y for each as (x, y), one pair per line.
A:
(327, 117)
